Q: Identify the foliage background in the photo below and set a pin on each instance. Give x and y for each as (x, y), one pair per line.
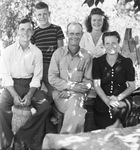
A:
(121, 15)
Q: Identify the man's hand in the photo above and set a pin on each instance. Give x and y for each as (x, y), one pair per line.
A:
(65, 94)
(26, 101)
(81, 88)
(17, 100)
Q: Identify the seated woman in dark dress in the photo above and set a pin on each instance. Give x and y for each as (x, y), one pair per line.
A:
(113, 77)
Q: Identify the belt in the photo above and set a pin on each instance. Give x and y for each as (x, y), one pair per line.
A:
(22, 79)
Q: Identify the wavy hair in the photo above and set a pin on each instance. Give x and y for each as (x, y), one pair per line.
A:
(97, 11)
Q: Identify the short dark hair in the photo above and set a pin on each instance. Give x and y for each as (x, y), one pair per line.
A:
(112, 33)
(97, 11)
(41, 5)
(26, 20)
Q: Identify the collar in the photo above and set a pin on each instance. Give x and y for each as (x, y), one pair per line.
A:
(19, 46)
(119, 58)
(80, 54)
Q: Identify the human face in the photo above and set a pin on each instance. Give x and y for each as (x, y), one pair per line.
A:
(25, 32)
(42, 17)
(97, 22)
(111, 44)
(74, 34)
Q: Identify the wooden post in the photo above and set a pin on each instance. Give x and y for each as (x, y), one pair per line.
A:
(129, 45)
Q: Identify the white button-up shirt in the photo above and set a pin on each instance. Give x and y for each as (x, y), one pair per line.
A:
(88, 44)
(17, 63)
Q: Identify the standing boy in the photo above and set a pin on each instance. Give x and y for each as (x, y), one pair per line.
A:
(47, 37)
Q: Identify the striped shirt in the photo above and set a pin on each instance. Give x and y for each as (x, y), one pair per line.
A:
(46, 40)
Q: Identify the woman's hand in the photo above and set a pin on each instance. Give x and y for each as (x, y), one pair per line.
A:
(113, 97)
(114, 103)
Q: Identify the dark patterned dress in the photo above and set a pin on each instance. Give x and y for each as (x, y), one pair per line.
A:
(113, 82)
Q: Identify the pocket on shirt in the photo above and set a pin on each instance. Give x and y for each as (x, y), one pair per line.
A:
(77, 76)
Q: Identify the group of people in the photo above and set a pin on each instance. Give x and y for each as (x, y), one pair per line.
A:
(89, 61)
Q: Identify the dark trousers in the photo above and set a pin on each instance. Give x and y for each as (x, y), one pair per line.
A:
(33, 131)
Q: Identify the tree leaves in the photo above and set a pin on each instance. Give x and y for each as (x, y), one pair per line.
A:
(89, 2)
(92, 2)
(137, 4)
(96, 2)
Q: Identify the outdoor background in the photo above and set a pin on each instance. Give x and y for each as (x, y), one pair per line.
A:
(121, 15)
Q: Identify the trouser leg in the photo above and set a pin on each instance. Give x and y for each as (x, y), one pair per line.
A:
(74, 113)
(34, 129)
(6, 134)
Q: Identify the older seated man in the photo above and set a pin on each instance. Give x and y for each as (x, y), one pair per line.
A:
(70, 75)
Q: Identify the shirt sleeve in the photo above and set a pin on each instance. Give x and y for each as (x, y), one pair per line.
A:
(5, 70)
(38, 69)
(130, 71)
(60, 34)
(88, 72)
(96, 73)
(54, 73)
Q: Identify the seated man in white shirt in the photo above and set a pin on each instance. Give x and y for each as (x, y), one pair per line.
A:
(21, 75)
(70, 75)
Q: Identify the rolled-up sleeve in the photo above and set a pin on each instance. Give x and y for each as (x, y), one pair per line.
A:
(38, 70)
(5, 70)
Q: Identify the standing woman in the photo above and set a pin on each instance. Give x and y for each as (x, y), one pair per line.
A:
(96, 24)
(113, 78)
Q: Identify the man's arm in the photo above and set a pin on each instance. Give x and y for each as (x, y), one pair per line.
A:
(7, 81)
(54, 73)
(60, 43)
(86, 83)
(38, 70)
(27, 98)
(37, 76)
